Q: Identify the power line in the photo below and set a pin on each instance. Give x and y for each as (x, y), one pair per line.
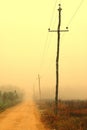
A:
(79, 6)
(45, 45)
(49, 67)
(76, 11)
(53, 13)
(54, 21)
(69, 23)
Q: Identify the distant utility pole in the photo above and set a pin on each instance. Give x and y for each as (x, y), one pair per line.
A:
(39, 86)
(33, 91)
(57, 57)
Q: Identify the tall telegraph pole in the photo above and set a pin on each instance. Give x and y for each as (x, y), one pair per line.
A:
(57, 57)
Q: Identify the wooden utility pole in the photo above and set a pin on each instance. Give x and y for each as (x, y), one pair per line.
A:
(57, 57)
(33, 91)
(39, 86)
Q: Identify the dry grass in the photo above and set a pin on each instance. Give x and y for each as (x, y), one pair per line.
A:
(72, 115)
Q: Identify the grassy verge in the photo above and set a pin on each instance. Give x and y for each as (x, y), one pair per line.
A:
(72, 115)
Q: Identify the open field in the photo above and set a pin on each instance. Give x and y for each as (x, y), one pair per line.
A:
(72, 115)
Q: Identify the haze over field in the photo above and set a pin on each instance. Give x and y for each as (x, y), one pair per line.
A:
(24, 51)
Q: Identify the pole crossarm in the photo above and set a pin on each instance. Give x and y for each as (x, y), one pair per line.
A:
(58, 30)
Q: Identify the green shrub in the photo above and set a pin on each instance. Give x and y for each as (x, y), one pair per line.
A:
(8, 99)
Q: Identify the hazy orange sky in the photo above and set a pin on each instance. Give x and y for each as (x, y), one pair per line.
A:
(25, 52)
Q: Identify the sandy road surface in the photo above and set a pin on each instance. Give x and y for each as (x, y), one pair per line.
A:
(24, 116)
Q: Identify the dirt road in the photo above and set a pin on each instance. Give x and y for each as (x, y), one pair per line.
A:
(24, 116)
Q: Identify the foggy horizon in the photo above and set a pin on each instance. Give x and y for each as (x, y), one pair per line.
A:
(28, 49)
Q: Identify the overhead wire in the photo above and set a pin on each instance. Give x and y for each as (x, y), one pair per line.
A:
(53, 13)
(75, 12)
(46, 40)
(51, 33)
(73, 16)
(45, 45)
(54, 20)
(70, 21)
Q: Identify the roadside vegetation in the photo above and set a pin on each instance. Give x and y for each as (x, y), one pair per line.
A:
(72, 115)
(9, 98)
